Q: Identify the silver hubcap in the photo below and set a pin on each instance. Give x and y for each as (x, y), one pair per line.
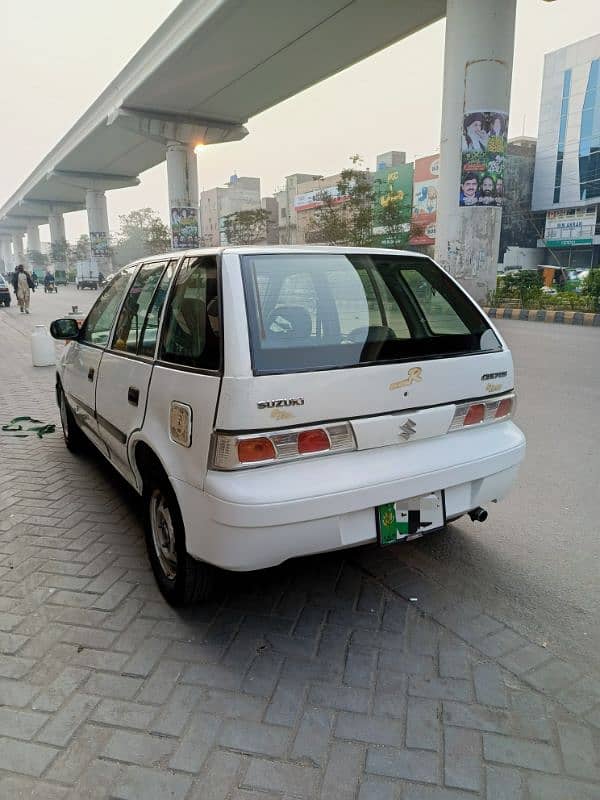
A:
(163, 534)
(63, 416)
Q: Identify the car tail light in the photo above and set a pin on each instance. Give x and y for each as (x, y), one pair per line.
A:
(475, 414)
(315, 441)
(252, 450)
(237, 451)
(482, 412)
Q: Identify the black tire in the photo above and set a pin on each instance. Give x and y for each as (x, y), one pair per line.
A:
(74, 437)
(182, 580)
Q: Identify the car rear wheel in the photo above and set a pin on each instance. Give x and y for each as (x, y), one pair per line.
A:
(74, 437)
(181, 578)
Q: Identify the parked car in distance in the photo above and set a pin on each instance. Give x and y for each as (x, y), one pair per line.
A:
(4, 292)
(269, 403)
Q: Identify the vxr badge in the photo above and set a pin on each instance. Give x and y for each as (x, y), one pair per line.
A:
(408, 429)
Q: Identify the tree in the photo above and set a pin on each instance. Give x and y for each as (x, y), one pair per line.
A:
(141, 233)
(36, 259)
(591, 284)
(362, 212)
(246, 227)
(60, 252)
(81, 250)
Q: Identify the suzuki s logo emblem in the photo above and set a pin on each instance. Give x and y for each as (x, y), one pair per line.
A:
(408, 429)
(415, 375)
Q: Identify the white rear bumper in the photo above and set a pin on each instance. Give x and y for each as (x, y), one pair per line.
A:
(258, 518)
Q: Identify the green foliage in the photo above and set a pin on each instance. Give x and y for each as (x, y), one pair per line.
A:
(60, 252)
(36, 259)
(141, 233)
(81, 250)
(591, 284)
(246, 227)
(356, 220)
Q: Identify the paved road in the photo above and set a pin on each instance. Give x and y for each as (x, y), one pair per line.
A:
(538, 555)
(349, 676)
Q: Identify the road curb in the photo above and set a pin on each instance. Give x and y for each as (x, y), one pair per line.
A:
(542, 315)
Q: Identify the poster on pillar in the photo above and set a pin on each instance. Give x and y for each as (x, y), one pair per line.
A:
(184, 227)
(484, 137)
(99, 244)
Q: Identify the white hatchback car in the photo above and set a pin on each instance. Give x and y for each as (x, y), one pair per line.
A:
(275, 402)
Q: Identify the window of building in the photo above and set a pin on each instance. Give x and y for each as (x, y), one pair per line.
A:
(562, 133)
(589, 140)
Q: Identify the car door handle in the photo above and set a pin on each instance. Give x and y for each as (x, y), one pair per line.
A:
(133, 395)
(91, 373)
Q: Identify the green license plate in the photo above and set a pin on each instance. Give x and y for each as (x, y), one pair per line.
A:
(411, 518)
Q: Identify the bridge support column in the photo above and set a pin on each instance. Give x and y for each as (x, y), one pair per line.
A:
(95, 203)
(18, 254)
(477, 80)
(182, 176)
(33, 240)
(58, 240)
(6, 253)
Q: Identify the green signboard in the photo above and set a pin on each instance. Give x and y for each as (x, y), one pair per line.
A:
(393, 185)
(566, 242)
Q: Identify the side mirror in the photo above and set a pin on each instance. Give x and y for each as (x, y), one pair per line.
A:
(65, 328)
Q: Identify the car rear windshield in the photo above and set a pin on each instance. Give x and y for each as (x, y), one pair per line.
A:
(327, 311)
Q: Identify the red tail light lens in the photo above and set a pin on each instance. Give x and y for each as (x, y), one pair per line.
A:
(505, 407)
(314, 441)
(475, 414)
(252, 450)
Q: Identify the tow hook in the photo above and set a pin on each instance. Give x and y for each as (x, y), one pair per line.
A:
(478, 514)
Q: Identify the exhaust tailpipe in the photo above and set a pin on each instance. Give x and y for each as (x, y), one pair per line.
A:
(478, 514)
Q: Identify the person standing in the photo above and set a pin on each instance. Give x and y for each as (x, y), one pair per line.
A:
(22, 284)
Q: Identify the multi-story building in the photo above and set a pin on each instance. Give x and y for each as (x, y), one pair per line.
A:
(307, 200)
(287, 220)
(567, 163)
(239, 194)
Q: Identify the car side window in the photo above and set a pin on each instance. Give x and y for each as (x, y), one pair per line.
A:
(191, 331)
(131, 319)
(147, 344)
(97, 326)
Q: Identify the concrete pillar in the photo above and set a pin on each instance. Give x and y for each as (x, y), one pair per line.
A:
(57, 239)
(18, 253)
(6, 254)
(477, 79)
(182, 177)
(95, 203)
(33, 239)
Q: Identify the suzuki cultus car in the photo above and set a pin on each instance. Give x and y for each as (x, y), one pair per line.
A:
(269, 403)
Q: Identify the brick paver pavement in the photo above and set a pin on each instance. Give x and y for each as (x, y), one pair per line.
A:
(318, 679)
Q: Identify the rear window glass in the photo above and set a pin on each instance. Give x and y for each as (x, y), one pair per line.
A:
(325, 311)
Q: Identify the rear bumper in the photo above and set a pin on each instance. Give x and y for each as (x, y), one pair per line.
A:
(259, 518)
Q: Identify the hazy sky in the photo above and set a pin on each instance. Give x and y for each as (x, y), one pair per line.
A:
(56, 57)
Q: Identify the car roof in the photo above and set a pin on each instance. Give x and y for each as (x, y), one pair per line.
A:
(278, 249)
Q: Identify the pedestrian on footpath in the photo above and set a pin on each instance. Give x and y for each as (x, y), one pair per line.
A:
(22, 283)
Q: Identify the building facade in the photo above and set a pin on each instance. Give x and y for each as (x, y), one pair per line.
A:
(567, 165)
(286, 198)
(239, 194)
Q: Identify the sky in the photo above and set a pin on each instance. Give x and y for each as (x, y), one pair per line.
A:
(56, 58)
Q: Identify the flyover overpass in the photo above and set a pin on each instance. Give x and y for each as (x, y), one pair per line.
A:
(211, 66)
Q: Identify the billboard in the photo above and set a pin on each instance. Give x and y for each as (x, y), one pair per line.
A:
(309, 200)
(184, 227)
(392, 185)
(484, 138)
(424, 212)
(99, 244)
(570, 226)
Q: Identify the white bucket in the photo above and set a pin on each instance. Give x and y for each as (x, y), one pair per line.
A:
(42, 347)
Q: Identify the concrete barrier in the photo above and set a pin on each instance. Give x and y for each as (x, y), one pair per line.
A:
(546, 315)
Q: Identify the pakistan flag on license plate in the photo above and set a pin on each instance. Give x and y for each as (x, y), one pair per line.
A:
(408, 519)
